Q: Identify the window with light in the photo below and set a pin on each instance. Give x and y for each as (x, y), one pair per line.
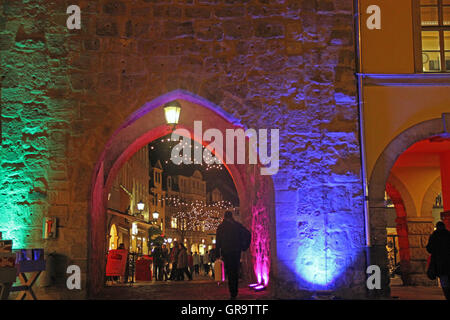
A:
(435, 35)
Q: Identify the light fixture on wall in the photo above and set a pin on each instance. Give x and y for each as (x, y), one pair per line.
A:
(140, 206)
(172, 113)
(134, 229)
(155, 215)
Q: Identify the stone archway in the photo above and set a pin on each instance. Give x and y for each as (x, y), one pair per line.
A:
(255, 191)
(377, 184)
(401, 222)
(404, 193)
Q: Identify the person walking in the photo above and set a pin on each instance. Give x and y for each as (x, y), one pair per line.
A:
(190, 263)
(206, 263)
(157, 263)
(173, 260)
(439, 248)
(202, 258)
(212, 259)
(164, 260)
(231, 239)
(196, 260)
(182, 263)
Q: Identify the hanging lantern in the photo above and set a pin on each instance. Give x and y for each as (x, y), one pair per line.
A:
(172, 112)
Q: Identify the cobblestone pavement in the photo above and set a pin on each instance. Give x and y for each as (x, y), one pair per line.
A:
(205, 289)
(417, 293)
(201, 289)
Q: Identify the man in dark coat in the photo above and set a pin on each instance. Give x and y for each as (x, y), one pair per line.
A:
(157, 263)
(228, 246)
(439, 247)
(174, 260)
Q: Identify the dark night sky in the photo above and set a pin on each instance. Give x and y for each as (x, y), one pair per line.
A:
(213, 177)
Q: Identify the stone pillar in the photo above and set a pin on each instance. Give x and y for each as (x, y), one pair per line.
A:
(419, 230)
(377, 253)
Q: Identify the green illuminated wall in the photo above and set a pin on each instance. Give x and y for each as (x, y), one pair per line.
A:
(31, 59)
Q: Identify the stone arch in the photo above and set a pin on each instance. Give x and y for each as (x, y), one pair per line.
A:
(408, 202)
(393, 187)
(255, 191)
(377, 184)
(430, 196)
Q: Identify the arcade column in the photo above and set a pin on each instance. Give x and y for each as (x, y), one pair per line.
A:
(445, 177)
(419, 231)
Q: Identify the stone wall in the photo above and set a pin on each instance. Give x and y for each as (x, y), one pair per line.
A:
(419, 233)
(285, 64)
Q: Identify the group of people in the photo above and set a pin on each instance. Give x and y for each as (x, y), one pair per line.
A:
(229, 245)
(176, 263)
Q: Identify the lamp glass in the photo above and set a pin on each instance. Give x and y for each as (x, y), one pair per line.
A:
(172, 113)
(134, 228)
(155, 215)
(140, 206)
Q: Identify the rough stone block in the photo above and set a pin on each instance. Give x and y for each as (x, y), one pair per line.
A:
(106, 28)
(198, 12)
(269, 29)
(114, 8)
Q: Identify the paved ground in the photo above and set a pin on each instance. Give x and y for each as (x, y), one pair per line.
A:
(201, 288)
(417, 293)
(205, 289)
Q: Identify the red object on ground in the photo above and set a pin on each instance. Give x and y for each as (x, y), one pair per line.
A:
(143, 270)
(116, 263)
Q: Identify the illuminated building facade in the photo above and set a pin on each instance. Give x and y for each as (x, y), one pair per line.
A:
(351, 98)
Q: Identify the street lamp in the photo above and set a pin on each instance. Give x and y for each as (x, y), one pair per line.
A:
(172, 112)
(140, 206)
(155, 215)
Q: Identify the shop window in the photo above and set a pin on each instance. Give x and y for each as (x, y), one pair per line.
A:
(173, 223)
(434, 17)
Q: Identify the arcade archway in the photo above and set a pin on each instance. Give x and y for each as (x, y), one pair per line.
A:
(255, 191)
(395, 171)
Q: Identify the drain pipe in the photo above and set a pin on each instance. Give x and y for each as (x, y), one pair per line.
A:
(360, 89)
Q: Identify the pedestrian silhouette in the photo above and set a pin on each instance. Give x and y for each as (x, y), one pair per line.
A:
(231, 239)
(439, 248)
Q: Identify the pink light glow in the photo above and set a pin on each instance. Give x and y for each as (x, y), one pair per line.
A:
(259, 288)
(260, 246)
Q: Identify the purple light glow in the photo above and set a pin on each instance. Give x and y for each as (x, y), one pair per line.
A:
(259, 288)
(260, 246)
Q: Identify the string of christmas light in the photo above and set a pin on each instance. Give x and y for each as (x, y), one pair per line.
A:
(210, 162)
(175, 201)
(196, 219)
